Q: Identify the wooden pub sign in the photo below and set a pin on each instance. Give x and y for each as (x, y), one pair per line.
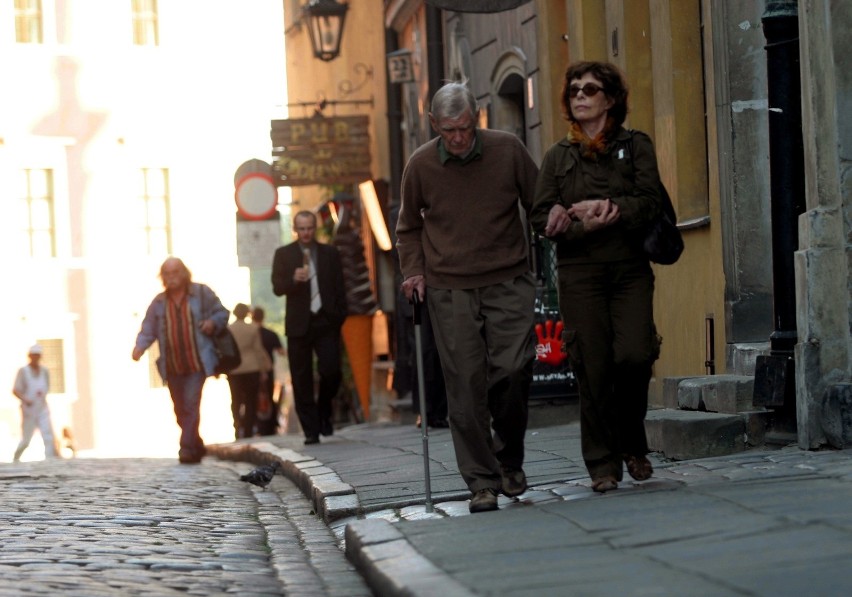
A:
(321, 150)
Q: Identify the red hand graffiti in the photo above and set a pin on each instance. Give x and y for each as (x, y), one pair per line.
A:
(549, 347)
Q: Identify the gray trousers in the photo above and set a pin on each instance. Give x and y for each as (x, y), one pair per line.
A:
(486, 344)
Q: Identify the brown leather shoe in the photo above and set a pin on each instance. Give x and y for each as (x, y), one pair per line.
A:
(639, 467)
(484, 500)
(604, 484)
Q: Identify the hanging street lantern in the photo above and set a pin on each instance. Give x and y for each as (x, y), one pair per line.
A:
(325, 20)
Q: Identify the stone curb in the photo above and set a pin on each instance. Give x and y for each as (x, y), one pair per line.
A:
(390, 564)
(385, 559)
(331, 497)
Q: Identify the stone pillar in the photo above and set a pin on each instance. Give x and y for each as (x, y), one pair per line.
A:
(824, 350)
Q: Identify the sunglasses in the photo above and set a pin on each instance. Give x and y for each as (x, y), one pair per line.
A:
(589, 90)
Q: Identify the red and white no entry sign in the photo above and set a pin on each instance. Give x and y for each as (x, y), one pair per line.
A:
(256, 196)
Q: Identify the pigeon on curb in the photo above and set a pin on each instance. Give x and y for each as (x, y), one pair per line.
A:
(262, 475)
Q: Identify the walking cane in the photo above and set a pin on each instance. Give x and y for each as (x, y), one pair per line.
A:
(421, 387)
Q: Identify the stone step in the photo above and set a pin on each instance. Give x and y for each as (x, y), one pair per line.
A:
(684, 434)
(729, 394)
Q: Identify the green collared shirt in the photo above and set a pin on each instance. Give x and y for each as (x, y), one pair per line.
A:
(446, 156)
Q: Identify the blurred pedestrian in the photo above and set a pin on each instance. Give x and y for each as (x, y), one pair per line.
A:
(462, 242)
(310, 275)
(268, 408)
(182, 319)
(246, 379)
(598, 191)
(32, 383)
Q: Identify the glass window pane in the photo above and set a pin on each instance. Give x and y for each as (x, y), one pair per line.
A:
(28, 21)
(39, 183)
(145, 22)
(157, 216)
(156, 183)
(40, 214)
(42, 243)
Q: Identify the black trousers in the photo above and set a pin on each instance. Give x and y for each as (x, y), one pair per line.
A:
(607, 310)
(244, 389)
(322, 340)
(268, 423)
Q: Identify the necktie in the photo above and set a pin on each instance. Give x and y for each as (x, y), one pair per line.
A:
(316, 301)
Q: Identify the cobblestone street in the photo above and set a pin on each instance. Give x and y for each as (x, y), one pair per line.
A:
(154, 527)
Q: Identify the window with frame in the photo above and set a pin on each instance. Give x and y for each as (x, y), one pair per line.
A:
(154, 205)
(35, 212)
(28, 22)
(53, 359)
(145, 24)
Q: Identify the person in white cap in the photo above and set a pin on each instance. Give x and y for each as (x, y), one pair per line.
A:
(31, 386)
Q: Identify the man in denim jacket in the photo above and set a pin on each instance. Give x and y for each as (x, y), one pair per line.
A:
(183, 319)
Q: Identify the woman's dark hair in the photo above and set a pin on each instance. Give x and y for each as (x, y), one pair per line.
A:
(614, 86)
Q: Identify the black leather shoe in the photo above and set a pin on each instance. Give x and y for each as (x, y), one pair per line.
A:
(326, 428)
(312, 439)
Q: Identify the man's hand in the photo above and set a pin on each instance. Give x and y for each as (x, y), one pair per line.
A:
(414, 284)
(137, 353)
(302, 274)
(207, 327)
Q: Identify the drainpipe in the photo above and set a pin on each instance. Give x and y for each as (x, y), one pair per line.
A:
(774, 374)
(394, 97)
(434, 52)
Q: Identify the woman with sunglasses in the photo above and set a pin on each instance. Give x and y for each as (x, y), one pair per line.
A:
(597, 190)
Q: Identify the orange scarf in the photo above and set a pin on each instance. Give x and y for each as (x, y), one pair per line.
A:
(590, 148)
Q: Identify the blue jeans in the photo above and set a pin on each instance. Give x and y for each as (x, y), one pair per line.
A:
(186, 396)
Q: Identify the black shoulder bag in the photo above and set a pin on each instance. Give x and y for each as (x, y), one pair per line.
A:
(225, 345)
(663, 243)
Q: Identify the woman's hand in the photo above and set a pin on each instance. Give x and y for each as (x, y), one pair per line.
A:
(558, 221)
(595, 213)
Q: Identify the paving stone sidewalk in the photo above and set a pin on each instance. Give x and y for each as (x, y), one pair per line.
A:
(769, 522)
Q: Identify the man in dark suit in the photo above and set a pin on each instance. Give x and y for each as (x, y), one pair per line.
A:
(310, 275)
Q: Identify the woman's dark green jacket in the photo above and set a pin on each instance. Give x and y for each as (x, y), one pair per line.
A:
(626, 172)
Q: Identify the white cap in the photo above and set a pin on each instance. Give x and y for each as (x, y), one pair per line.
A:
(36, 349)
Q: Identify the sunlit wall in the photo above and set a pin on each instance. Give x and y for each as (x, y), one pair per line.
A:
(89, 111)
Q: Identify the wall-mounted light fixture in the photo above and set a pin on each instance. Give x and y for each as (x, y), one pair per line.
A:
(370, 201)
(325, 19)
